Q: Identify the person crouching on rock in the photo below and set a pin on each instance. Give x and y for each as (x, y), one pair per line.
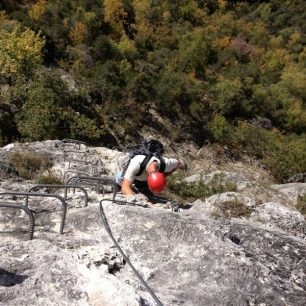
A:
(145, 172)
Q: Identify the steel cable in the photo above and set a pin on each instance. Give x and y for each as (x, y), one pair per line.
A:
(106, 225)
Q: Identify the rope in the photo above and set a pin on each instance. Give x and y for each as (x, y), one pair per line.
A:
(106, 225)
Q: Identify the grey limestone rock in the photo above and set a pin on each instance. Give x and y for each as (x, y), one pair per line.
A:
(291, 190)
(276, 215)
(190, 258)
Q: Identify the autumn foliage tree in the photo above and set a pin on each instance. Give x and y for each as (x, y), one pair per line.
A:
(214, 69)
(21, 52)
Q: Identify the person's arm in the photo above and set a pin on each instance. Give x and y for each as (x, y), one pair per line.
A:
(126, 187)
(169, 172)
(129, 176)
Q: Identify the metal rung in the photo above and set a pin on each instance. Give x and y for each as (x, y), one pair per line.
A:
(46, 195)
(74, 171)
(83, 162)
(103, 179)
(66, 187)
(84, 183)
(29, 214)
(77, 152)
(75, 142)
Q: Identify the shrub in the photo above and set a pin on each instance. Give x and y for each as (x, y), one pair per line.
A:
(52, 111)
(218, 186)
(190, 191)
(227, 96)
(284, 155)
(49, 178)
(39, 117)
(232, 209)
(255, 141)
(288, 158)
(29, 164)
(82, 127)
(20, 53)
(197, 190)
(220, 129)
(177, 90)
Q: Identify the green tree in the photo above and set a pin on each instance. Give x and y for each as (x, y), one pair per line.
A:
(293, 78)
(227, 95)
(38, 10)
(179, 94)
(20, 52)
(52, 111)
(114, 15)
(289, 159)
(220, 129)
(194, 51)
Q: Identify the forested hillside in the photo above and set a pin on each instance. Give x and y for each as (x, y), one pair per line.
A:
(228, 72)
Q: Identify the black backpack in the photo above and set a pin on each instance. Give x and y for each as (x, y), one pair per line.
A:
(149, 148)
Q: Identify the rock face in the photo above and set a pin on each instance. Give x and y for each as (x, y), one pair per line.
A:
(192, 257)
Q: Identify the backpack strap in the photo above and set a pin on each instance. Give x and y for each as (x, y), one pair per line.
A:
(162, 166)
(146, 161)
(144, 164)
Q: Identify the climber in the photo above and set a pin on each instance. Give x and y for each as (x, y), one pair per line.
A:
(146, 169)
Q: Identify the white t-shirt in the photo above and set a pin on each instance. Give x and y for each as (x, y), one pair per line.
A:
(134, 166)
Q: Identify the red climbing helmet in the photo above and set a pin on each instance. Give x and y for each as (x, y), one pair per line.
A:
(156, 181)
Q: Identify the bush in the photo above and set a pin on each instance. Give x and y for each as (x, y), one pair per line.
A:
(219, 186)
(20, 53)
(255, 141)
(232, 209)
(227, 96)
(52, 111)
(177, 91)
(51, 179)
(220, 129)
(288, 159)
(284, 155)
(190, 192)
(48, 179)
(28, 164)
(197, 190)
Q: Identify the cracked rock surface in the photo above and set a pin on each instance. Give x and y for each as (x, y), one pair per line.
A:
(194, 257)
